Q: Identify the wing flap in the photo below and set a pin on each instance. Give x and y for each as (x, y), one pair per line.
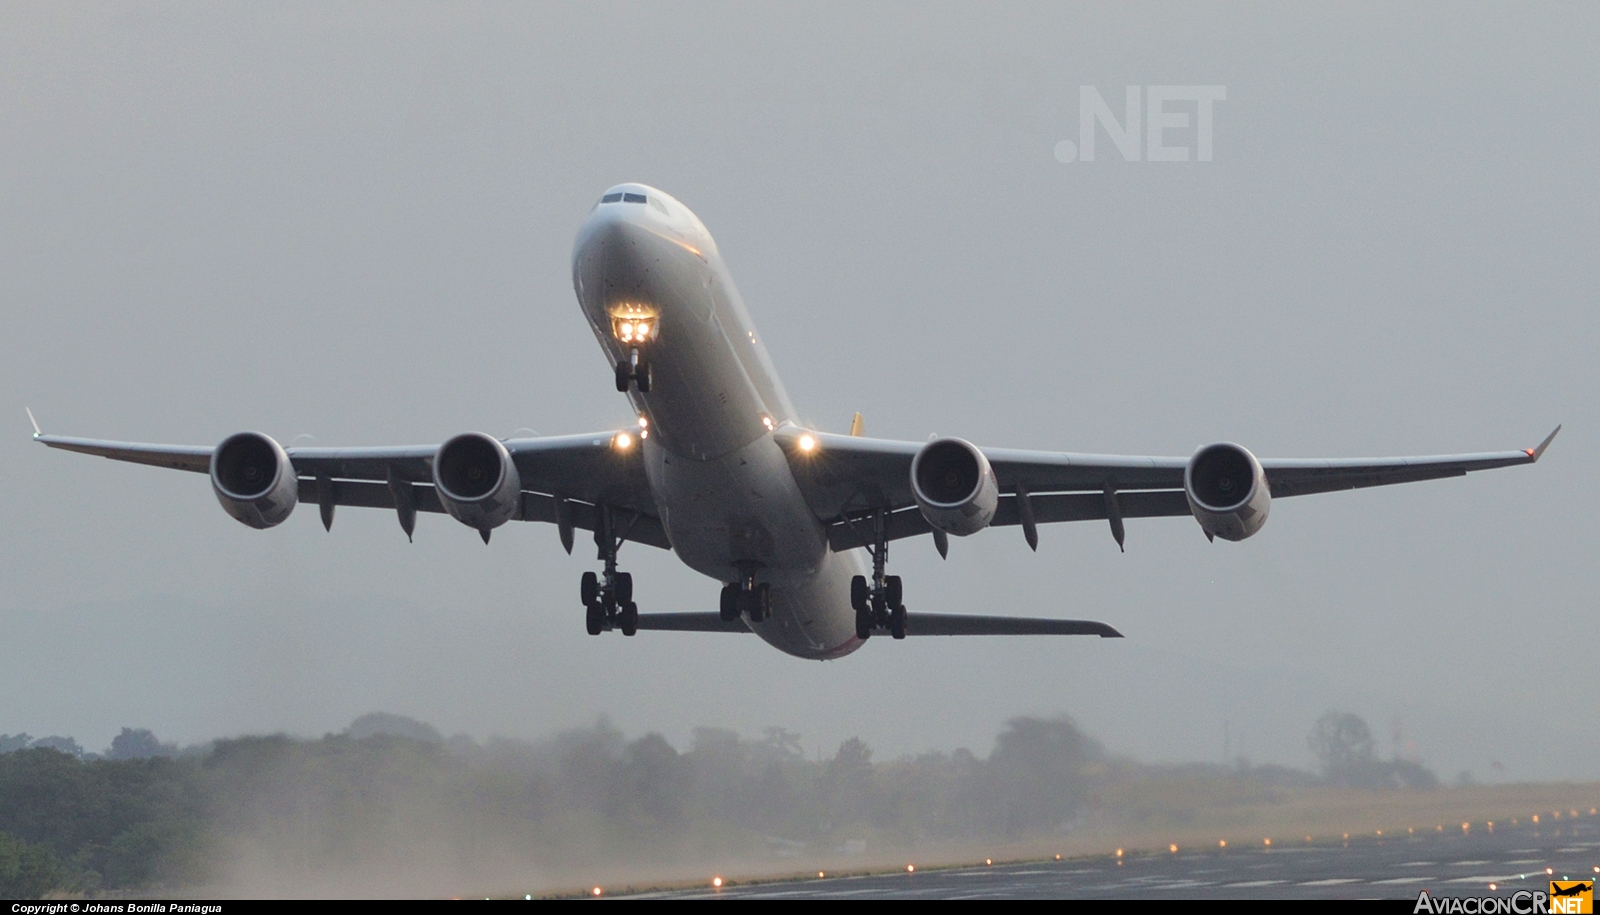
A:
(636, 528)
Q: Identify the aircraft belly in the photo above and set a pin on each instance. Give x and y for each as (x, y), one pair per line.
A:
(741, 510)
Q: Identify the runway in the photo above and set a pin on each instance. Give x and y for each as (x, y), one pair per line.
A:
(1452, 863)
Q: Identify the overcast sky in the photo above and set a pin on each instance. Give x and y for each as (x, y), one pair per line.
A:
(355, 222)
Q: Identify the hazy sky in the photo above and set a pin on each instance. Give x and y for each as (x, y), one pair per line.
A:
(355, 222)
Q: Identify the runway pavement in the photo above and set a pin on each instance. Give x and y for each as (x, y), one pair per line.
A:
(1451, 863)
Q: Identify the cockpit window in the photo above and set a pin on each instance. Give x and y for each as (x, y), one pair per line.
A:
(633, 198)
(611, 198)
(656, 202)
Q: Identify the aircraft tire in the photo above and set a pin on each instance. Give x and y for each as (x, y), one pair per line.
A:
(891, 584)
(624, 587)
(729, 608)
(624, 377)
(642, 377)
(863, 624)
(897, 622)
(630, 618)
(590, 588)
(595, 619)
(858, 593)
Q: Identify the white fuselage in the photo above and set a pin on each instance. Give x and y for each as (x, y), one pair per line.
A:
(722, 486)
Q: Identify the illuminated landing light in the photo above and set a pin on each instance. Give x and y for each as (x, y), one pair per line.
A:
(1466, 828)
(1536, 818)
(911, 868)
(1172, 848)
(1119, 854)
(1222, 843)
(988, 862)
(1267, 842)
(767, 421)
(1493, 887)
(1058, 858)
(820, 875)
(1411, 830)
(808, 443)
(595, 891)
(644, 421)
(1490, 824)
(716, 882)
(1550, 872)
(1574, 813)
(1380, 832)
(528, 898)
(622, 442)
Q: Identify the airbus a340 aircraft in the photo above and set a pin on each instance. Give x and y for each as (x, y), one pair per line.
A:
(795, 522)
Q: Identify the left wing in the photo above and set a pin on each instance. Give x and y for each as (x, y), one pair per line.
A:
(566, 480)
(847, 479)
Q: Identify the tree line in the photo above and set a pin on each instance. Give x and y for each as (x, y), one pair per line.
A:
(391, 794)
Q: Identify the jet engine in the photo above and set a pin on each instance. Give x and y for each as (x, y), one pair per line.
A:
(1227, 491)
(253, 479)
(954, 486)
(477, 481)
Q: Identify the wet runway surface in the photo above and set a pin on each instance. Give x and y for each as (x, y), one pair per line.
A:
(1395, 867)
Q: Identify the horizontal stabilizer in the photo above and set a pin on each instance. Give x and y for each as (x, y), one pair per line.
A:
(960, 624)
(690, 622)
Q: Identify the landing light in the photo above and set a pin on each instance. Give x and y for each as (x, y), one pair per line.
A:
(808, 444)
(622, 442)
(716, 882)
(634, 325)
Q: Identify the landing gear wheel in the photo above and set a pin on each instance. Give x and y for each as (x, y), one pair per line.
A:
(641, 377)
(590, 588)
(630, 619)
(729, 610)
(859, 594)
(897, 622)
(863, 624)
(624, 587)
(893, 590)
(624, 376)
(595, 618)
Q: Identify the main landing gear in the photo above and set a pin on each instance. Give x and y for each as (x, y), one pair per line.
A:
(746, 598)
(633, 370)
(608, 597)
(878, 603)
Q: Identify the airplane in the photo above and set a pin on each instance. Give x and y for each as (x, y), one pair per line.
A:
(793, 521)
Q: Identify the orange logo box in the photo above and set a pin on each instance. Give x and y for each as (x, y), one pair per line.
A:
(1572, 897)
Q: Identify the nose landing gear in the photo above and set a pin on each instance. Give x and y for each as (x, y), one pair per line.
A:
(608, 597)
(878, 602)
(633, 371)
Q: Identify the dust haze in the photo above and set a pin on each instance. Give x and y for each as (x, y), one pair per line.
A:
(354, 223)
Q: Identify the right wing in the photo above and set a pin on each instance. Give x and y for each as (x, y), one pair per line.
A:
(571, 478)
(846, 479)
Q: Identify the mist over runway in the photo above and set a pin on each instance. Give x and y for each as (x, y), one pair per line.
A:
(1449, 863)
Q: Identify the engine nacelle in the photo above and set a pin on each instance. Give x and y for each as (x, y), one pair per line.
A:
(254, 480)
(1227, 491)
(477, 481)
(954, 486)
